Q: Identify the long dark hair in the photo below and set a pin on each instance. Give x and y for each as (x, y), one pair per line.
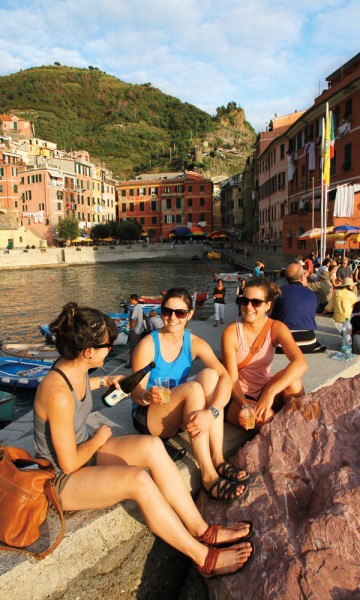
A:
(77, 328)
(178, 292)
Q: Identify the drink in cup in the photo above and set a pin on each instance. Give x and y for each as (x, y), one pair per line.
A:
(162, 385)
(248, 413)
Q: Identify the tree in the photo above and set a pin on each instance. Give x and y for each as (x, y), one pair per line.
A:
(128, 230)
(68, 228)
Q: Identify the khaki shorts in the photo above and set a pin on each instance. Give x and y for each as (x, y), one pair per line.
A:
(63, 478)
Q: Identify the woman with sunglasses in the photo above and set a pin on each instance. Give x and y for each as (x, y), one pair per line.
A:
(98, 470)
(253, 383)
(195, 406)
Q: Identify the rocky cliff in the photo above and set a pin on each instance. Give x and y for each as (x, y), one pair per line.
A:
(304, 501)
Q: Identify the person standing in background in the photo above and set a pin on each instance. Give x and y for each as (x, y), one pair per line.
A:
(239, 293)
(219, 302)
(136, 326)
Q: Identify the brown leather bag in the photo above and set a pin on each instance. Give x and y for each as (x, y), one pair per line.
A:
(257, 343)
(24, 496)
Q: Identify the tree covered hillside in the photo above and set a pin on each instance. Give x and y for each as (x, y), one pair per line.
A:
(130, 128)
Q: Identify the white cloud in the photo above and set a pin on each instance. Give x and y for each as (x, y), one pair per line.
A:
(267, 55)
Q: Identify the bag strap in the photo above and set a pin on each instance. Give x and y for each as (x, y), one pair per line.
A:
(257, 343)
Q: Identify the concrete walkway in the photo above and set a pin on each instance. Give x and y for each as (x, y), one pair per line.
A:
(91, 536)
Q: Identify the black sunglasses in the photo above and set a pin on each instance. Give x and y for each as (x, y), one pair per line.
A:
(255, 302)
(108, 345)
(181, 313)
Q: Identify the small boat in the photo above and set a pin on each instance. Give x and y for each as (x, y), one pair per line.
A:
(232, 277)
(23, 372)
(7, 406)
(213, 254)
(145, 300)
(31, 350)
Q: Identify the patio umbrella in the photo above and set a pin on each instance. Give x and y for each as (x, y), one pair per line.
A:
(346, 229)
(313, 233)
(182, 231)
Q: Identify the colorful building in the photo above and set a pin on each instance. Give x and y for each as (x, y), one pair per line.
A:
(164, 201)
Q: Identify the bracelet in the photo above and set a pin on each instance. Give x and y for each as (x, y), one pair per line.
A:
(143, 399)
(102, 382)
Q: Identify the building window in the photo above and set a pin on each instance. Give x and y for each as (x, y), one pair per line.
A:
(179, 189)
(123, 193)
(142, 206)
(347, 158)
(190, 217)
(131, 192)
(142, 221)
(190, 202)
(131, 207)
(153, 205)
(178, 218)
(202, 188)
(282, 151)
(168, 203)
(348, 109)
(153, 220)
(167, 189)
(190, 189)
(15, 204)
(202, 217)
(123, 207)
(59, 205)
(169, 219)
(1, 187)
(15, 188)
(202, 201)
(178, 202)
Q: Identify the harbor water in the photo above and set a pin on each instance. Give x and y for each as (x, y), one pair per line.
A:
(31, 297)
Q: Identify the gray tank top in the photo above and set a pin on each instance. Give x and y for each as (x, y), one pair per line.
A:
(43, 443)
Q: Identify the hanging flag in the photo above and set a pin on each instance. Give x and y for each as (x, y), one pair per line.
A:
(328, 145)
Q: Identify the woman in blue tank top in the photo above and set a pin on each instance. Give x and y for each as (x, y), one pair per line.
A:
(95, 470)
(195, 406)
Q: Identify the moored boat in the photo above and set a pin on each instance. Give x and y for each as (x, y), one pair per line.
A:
(39, 351)
(144, 300)
(7, 406)
(212, 254)
(232, 277)
(23, 372)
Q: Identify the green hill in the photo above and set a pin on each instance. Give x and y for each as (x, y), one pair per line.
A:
(129, 128)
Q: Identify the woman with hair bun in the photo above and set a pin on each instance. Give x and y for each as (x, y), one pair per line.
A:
(96, 470)
(252, 381)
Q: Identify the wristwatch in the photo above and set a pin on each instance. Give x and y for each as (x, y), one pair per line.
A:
(214, 411)
(102, 382)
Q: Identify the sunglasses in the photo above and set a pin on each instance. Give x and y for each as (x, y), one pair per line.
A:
(180, 313)
(255, 302)
(108, 345)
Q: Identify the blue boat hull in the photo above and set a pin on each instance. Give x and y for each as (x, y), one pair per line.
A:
(23, 373)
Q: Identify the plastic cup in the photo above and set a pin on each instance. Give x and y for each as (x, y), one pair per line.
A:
(163, 387)
(248, 412)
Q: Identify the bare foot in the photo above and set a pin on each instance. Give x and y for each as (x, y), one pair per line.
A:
(229, 560)
(234, 532)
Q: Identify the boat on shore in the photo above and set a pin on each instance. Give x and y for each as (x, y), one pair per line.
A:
(232, 277)
(200, 298)
(7, 407)
(39, 351)
(23, 372)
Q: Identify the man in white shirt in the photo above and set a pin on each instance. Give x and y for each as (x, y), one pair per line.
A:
(136, 326)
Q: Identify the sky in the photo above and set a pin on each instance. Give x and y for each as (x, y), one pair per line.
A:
(268, 56)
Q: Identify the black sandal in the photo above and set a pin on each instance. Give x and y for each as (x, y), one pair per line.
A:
(230, 472)
(174, 453)
(226, 490)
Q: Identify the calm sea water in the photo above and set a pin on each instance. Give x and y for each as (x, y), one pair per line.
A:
(31, 297)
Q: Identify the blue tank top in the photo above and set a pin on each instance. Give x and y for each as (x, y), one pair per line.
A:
(178, 370)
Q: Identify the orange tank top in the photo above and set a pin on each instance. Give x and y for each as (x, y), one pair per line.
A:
(255, 375)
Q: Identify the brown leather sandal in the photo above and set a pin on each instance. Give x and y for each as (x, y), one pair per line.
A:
(209, 537)
(211, 559)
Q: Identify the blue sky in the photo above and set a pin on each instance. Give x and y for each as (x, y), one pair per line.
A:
(269, 56)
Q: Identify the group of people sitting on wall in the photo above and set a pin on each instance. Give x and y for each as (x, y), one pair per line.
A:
(95, 469)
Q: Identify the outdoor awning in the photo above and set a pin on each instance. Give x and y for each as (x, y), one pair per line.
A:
(55, 174)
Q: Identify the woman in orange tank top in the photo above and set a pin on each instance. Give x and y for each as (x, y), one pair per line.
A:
(252, 380)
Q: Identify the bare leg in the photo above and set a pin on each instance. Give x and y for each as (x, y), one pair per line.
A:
(101, 486)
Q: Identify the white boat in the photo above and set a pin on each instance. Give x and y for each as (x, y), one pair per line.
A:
(32, 350)
(234, 277)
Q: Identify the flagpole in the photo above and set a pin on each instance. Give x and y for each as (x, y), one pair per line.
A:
(322, 251)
